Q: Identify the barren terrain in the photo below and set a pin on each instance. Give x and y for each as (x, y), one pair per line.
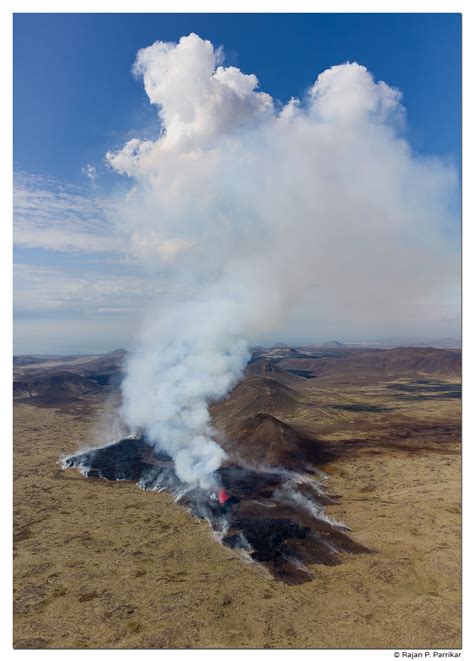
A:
(105, 564)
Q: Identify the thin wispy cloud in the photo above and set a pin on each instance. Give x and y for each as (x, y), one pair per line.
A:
(77, 267)
(90, 172)
(46, 289)
(53, 216)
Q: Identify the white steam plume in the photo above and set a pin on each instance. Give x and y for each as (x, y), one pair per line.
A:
(245, 207)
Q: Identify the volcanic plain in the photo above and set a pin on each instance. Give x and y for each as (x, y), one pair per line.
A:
(101, 563)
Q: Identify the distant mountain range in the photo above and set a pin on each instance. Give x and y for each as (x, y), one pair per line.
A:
(73, 376)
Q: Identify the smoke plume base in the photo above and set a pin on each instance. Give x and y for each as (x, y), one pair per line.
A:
(276, 518)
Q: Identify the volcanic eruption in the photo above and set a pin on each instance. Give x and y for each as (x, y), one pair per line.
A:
(275, 517)
(242, 210)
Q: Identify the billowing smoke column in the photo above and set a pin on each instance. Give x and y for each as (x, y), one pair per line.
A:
(189, 356)
(243, 207)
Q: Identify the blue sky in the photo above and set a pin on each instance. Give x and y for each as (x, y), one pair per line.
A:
(75, 99)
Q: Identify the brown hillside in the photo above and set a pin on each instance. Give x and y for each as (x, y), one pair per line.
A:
(402, 361)
(268, 368)
(266, 440)
(53, 385)
(257, 394)
(253, 431)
